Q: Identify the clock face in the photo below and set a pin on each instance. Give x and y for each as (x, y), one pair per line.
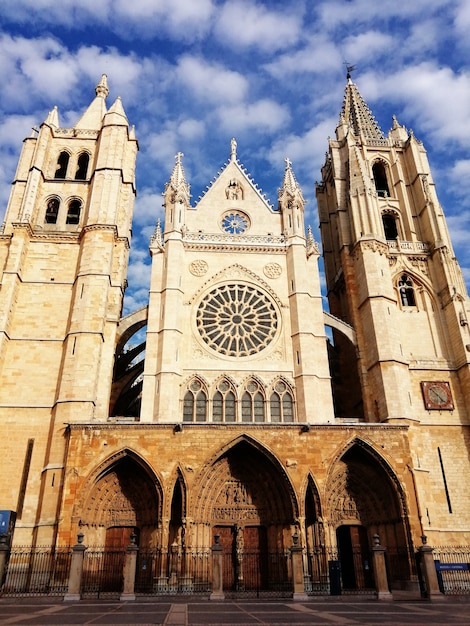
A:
(437, 395)
(234, 223)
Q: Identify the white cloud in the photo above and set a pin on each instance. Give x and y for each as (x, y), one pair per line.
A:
(211, 82)
(248, 24)
(261, 115)
(320, 55)
(372, 43)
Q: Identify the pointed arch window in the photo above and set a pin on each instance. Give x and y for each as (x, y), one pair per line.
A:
(73, 213)
(379, 173)
(253, 405)
(62, 165)
(281, 403)
(223, 403)
(406, 290)
(195, 403)
(82, 166)
(390, 226)
(52, 211)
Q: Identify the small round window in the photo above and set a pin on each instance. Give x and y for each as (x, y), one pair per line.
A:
(237, 320)
(235, 223)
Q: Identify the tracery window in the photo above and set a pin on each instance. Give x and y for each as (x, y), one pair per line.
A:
(62, 164)
(237, 320)
(379, 173)
(253, 406)
(223, 403)
(406, 290)
(195, 403)
(281, 403)
(73, 213)
(52, 211)
(82, 166)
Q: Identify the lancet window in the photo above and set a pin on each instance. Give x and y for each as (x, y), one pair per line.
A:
(82, 166)
(223, 403)
(73, 213)
(390, 226)
(195, 403)
(62, 164)
(379, 173)
(406, 291)
(52, 211)
(281, 403)
(253, 405)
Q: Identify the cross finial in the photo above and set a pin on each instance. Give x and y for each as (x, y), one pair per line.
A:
(179, 156)
(288, 162)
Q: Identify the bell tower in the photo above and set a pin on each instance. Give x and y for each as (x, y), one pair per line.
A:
(392, 274)
(64, 251)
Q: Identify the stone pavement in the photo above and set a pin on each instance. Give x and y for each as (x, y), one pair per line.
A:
(195, 612)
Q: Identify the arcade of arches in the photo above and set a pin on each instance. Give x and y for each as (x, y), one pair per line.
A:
(255, 502)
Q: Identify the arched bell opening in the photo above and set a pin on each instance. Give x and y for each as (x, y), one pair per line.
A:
(365, 499)
(123, 500)
(248, 501)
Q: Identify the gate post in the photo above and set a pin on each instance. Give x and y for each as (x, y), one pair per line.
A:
(428, 569)
(296, 553)
(380, 571)
(130, 564)
(76, 570)
(217, 570)
(4, 556)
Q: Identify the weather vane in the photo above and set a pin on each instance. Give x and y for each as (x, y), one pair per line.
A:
(349, 68)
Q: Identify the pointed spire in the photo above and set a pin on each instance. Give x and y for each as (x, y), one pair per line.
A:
(53, 118)
(92, 119)
(101, 88)
(289, 183)
(178, 177)
(116, 114)
(358, 115)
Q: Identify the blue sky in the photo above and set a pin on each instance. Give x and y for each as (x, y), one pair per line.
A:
(194, 73)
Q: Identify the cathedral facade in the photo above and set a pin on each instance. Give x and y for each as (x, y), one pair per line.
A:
(235, 416)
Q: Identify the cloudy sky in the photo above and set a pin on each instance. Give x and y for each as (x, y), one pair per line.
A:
(194, 73)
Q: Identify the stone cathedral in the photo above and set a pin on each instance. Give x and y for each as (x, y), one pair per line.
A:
(224, 407)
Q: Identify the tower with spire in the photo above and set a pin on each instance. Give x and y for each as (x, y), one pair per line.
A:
(64, 247)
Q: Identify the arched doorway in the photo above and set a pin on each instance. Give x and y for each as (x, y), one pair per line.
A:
(364, 499)
(247, 500)
(317, 558)
(123, 499)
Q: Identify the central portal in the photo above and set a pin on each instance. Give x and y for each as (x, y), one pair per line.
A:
(248, 499)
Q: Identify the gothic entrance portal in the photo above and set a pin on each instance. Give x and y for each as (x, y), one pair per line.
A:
(365, 499)
(248, 500)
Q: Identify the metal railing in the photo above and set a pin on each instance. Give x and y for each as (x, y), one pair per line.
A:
(453, 569)
(37, 571)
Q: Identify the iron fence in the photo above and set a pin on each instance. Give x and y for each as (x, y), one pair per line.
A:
(37, 571)
(255, 573)
(453, 569)
(102, 572)
(161, 572)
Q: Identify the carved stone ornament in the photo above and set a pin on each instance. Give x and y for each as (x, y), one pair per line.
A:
(272, 270)
(198, 267)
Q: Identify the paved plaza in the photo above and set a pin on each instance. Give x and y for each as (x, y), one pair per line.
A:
(334, 611)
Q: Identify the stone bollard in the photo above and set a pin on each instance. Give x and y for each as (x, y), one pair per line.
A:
(130, 565)
(296, 553)
(428, 569)
(76, 570)
(4, 556)
(380, 570)
(217, 570)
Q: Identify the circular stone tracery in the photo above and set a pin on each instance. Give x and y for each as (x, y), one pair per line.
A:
(237, 320)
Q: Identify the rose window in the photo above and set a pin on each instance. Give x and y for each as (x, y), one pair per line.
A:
(237, 320)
